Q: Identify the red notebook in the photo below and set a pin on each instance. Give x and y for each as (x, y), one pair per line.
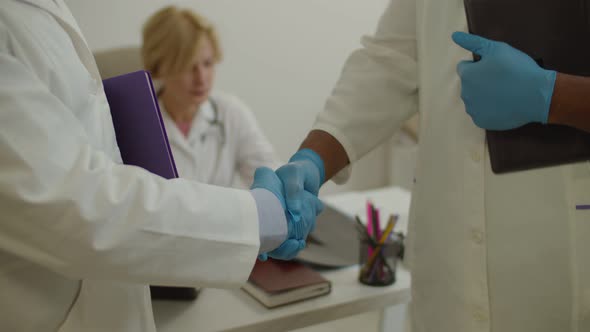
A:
(274, 283)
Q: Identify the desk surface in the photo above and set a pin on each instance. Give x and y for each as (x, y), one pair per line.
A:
(234, 310)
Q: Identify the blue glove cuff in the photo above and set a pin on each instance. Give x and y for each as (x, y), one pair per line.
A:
(308, 154)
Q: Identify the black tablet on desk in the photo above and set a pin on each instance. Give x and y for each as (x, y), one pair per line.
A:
(173, 293)
(555, 33)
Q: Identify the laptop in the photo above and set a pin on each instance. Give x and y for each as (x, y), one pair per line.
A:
(334, 243)
(142, 140)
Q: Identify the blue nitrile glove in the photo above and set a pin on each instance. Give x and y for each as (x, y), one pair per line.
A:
(304, 172)
(265, 178)
(298, 230)
(506, 89)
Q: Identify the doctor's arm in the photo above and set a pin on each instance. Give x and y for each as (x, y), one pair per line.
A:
(507, 89)
(69, 207)
(376, 93)
(570, 104)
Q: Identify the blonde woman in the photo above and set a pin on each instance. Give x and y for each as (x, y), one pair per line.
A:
(214, 136)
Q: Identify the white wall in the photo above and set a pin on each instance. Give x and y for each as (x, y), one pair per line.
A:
(281, 56)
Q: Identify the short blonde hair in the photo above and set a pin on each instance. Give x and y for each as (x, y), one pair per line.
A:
(171, 38)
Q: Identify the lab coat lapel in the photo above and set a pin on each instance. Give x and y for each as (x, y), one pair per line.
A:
(175, 136)
(59, 10)
(56, 9)
(187, 144)
(202, 122)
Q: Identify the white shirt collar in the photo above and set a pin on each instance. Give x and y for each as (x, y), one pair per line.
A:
(200, 124)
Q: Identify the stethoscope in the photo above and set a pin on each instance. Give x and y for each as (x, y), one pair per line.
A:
(215, 123)
(217, 126)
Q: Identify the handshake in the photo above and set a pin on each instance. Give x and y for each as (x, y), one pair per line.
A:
(296, 185)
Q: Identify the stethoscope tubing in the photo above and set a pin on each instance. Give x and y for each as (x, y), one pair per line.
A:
(216, 122)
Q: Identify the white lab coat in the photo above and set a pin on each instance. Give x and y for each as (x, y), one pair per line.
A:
(81, 235)
(488, 252)
(216, 151)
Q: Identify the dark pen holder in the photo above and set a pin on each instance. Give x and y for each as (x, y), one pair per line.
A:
(379, 270)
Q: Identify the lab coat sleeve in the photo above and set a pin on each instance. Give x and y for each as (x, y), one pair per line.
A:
(67, 206)
(254, 149)
(377, 91)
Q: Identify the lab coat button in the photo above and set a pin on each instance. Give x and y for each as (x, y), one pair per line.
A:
(477, 237)
(475, 156)
(480, 316)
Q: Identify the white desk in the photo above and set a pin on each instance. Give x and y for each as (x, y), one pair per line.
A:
(234, 310)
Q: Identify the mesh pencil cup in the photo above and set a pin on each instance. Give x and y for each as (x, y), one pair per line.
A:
(378, 263)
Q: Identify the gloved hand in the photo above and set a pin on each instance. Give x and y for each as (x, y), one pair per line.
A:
(265, 178)
(304, 172)
(506, 89)
(298, 230)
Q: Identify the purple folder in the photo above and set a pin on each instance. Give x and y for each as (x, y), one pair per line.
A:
(143, 142)
(138, 123)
